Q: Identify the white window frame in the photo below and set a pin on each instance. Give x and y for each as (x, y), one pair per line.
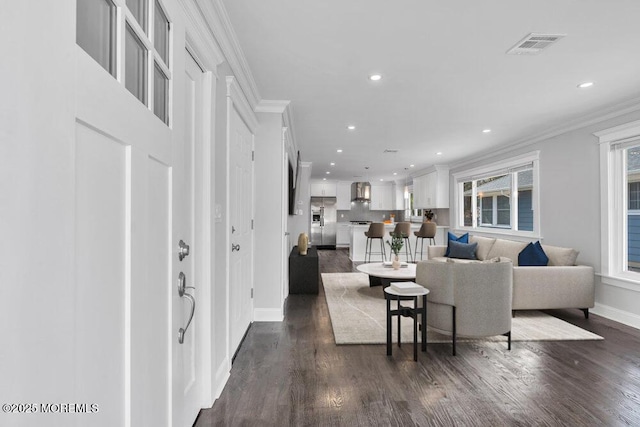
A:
(613, 204)
(494, 169)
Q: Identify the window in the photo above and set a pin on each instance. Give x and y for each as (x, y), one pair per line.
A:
(145, 67)
(620, 204)
(135, 78)
(95, 31)
(499, 196)
(138, 9)
(160, 92)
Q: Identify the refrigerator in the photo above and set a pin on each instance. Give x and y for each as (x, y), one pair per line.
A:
(323, 222)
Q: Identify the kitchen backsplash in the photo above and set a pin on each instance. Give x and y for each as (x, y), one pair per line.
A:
(361, 212)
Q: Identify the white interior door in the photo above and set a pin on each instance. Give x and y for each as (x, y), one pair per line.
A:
(186, 370)
(240, 207)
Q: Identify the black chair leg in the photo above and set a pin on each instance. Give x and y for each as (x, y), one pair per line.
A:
(586, 312)
(508, 335)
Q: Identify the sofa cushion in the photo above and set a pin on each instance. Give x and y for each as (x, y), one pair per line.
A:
(559, 256)
(452, 237)
(462, 250)
(533, 256)
(508, 249)
(484, 246)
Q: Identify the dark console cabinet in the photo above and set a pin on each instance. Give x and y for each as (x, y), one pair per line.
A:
(304, 272)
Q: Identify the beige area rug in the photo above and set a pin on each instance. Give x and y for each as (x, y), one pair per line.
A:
(358, 316)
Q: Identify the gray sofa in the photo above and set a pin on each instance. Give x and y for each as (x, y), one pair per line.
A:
(561, 284)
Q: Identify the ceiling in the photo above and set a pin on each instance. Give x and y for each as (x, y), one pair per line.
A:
(446, 74)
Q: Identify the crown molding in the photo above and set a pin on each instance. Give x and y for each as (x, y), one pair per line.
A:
(601, 115)
(240, 102)
(271, 106)
(219, 23)
(200, 40)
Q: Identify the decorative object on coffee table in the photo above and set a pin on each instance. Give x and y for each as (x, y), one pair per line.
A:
(396, 245)
(303, 243)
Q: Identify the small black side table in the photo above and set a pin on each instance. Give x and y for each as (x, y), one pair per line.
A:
(304, 272)
(392, 294)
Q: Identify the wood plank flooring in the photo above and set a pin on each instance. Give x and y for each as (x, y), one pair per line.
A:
(293, 374)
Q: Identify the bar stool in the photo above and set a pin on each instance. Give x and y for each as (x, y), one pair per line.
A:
(427, 231)
(376, 231)
(404, 229)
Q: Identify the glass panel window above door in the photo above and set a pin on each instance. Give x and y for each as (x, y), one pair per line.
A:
(95, 31)
(161, 33)
(135, 66)
(139, 10)
(160, 94)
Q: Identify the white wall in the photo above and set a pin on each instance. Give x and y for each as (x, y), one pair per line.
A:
(269, 227)
(220, 362)
(570, 204)
(37, 125)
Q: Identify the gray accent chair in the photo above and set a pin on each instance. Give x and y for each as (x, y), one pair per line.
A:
(468, 299)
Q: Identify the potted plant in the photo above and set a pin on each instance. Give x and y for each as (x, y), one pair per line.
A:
(428, 214)
(397, 240)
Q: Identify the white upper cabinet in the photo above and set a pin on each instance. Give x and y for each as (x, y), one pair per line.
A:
(398, 196)
(431, 191)
(321, 188)
(381, 198)
(344, 195)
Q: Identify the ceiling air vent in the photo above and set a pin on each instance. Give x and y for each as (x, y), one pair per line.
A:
(534, 43)
(390, 150)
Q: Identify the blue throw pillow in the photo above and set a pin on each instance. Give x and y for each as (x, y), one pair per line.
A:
(533, 256)
(462, 250)
(453, 238)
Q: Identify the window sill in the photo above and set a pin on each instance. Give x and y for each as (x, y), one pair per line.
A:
(624, 280)
(500, 233)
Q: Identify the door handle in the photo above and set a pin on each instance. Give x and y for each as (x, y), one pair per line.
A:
(182, 287)
(235, 247)
(183, 250)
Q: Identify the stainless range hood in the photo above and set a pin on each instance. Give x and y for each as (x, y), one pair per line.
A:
(360, 192)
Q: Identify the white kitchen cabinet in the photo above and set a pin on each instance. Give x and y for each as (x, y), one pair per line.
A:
(381, 198)
(343, 192)
(321, 188)
(342, 236)
(431, 191)
(398, 196)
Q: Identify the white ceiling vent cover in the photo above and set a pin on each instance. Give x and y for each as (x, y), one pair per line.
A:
(391, 150)
(534, 43)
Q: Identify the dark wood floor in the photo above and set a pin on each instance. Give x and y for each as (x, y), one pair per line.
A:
(293, 374)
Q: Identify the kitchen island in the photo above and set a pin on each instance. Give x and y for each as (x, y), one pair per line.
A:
(358, 241)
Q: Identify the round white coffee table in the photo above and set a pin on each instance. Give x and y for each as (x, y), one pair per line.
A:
(379, 274)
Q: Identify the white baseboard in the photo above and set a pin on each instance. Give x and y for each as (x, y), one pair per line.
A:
(221, 378)
(268, 315)
(629, 319)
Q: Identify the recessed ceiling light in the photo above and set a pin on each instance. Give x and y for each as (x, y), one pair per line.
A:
(395, 173)
(328, 172)
(585, 85)
(439, 153)
(381, 179)
(351, 127)
(486, 130)
(375, 77)
(324, 179)
(332, 163)
(339, 150)
(411, 166)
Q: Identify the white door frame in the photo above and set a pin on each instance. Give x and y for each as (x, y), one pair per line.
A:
(237, 100)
